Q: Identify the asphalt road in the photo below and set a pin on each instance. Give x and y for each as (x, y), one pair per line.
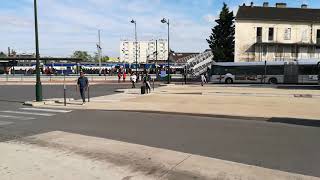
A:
(285, 147)
(282, 146)
(23, 93)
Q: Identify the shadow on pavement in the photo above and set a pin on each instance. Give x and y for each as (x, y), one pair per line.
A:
(300, 122)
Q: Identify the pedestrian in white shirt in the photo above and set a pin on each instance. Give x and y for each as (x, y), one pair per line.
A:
(133, 79)
(203, 79)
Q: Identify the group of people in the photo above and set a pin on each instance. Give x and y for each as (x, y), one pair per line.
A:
(122, 75)
(146, 81)
(83, 82)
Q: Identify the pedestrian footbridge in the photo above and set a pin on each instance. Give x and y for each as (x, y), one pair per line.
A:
(198, 64)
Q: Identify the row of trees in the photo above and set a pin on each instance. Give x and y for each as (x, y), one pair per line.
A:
(88, 58)
(3, 55)
(221, 40)
(78, 54)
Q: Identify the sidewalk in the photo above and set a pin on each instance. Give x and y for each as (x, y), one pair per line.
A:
(213, 100)
(63, 156)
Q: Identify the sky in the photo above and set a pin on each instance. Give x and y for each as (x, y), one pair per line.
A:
(69, 25)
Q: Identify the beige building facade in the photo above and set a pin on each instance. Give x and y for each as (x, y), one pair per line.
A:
(276, 33)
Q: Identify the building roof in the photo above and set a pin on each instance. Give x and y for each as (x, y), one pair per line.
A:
(278, 14)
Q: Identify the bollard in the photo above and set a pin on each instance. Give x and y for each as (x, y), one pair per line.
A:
(153, 84)
(88, 94)
(65, 94)
(7, 78)
(64, 91)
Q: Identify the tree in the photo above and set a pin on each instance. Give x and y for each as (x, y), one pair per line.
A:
(82, 55)
(2, 55)
(103, 59)
(221, 40)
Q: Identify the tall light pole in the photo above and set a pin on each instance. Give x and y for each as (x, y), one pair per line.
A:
(99, 52)
(166, 21)
(136, 42)
(38, 81)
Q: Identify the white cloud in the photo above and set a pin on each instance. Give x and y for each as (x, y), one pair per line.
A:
(66, 25)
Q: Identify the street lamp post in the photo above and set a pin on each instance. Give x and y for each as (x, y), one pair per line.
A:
(38, 80)
(166, 21)
(136, 42)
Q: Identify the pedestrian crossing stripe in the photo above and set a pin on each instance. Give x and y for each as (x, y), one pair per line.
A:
(28, 113)
(16, 117)
(46, 110)
(3, 123)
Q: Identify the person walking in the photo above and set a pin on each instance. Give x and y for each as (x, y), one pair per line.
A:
(83, 84)
(124, 76)
(146, 81)
(203, 79)
(119, 76)
(133, 80)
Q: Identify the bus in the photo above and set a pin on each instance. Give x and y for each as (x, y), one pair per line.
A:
(278, 72)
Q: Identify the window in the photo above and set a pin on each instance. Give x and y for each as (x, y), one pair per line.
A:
(305, 35)
(308, 69)
(318, 36)
(275, 70)
(259, 34)
(271, 34)
(287, 34)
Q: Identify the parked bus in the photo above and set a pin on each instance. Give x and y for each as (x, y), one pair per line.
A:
(296, 72)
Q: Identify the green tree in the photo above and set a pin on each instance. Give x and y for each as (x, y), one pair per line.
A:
(221, 40)
(3, 55)
(82, 55)
(103, 59)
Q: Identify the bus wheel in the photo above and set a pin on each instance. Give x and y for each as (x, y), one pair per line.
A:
(229, 81)
(273, 81)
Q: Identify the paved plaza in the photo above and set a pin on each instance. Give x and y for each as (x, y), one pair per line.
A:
(175, 132)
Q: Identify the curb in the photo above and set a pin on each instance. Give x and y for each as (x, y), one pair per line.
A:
(36, 104)
(45, 102)
(197, 115)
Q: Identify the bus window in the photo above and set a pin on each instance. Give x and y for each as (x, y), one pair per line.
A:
(275, 70)
(308, 70)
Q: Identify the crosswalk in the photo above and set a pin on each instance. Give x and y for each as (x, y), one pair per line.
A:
(8, 117)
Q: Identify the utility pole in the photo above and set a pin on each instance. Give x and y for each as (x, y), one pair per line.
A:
(167, 21)
(156, 58)
(99, 52)
(38, 80)
(136, 46)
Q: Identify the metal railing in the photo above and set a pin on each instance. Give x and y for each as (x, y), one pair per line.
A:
(186, 59)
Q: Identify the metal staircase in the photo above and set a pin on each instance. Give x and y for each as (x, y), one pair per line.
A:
(198, 65)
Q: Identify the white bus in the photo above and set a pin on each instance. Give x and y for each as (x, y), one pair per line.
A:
(296, 72)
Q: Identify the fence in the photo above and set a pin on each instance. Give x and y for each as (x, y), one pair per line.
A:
(70, 78)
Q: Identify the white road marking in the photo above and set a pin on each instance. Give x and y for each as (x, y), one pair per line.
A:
(3, 123)
(28, 113)
(16, 117)
(46, 110)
